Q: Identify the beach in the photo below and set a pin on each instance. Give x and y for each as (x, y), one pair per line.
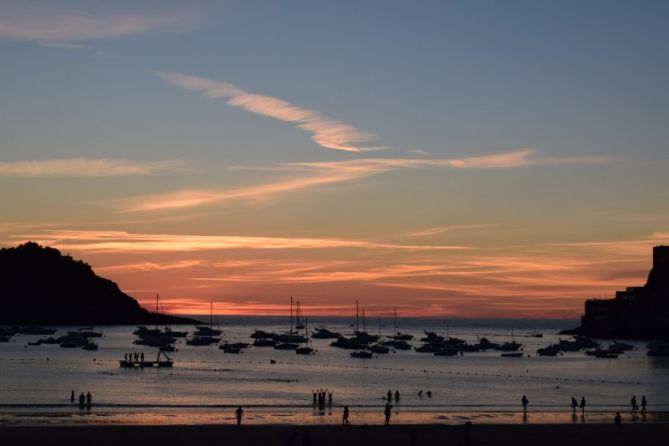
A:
(517, 435)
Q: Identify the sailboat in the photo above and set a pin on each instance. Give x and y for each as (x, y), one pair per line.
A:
(288, 341)
(306, 349)
(203, 330)
(298, 317)
(512, 347)
(401, 336)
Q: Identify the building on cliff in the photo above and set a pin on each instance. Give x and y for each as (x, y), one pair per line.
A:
(637, 312)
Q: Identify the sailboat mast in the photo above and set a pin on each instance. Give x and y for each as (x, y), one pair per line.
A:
(156, 311)
(395, 321)
(364, 323)
(211, 314)
(291, 314)
(357, 310)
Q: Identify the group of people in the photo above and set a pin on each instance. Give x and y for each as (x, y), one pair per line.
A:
(576, 405)
(84, 400)
(319, 398)
(389, 396)
(428, 393)
(134, 357)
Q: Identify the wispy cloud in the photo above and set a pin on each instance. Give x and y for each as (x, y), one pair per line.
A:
(141, 267)
(83, 167)
(55, 26)
(121, 241)
(325, 131)
(441, 229)
(308, 175)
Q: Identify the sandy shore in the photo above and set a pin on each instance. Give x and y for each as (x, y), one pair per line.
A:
(415, 435)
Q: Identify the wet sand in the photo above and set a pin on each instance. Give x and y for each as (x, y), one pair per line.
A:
(416, 435)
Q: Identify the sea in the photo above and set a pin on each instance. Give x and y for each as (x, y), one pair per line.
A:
(206, 385)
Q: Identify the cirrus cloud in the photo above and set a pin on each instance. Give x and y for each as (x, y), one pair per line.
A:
(84, 167)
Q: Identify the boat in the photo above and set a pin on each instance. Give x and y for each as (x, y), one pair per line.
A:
(299, 325)
(292, 336)
(306, 349)
(364, 354)
(324, 333)
(379, 348)
(397, 344)
(261, 334)
(398, 336)
(264, 342)
(167, 362)
(202, 340)
(551, 350)
(446, 351)
(233, 348)
(204, 330)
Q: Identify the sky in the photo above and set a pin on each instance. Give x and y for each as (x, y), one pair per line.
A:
(448, 158)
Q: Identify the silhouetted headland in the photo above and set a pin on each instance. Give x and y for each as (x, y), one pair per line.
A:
(637, 312)
(39, 285)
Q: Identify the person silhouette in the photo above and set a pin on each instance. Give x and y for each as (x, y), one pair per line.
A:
(314, 397)
(72, 397)
(582, 405)
(89, 400)
(420, 393)
(389, 395)
(386, 412)
(141, 355)
(525, 402)
(397, 396)
(634, 405)
(429, 394)
(643, 405)
(82, 400)
(239, 414)
(344, 417)
(574, 404)
(330, 398)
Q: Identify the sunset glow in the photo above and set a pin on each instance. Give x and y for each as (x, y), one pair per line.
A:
(472, 171)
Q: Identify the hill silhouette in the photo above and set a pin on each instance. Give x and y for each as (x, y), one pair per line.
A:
(39, 285)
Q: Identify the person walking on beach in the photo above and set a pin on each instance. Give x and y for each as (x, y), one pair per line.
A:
(397, 396)
(344, 417)
(525, 402)
(582, 405)
(574, 404)
(386, 412)
(429, 394)
(89, 400)
(634, 405)
(389, 395)
(239, 414)
(314, 396)
(142, 356)
(72, 397)
(82, 400)
(330, 398)
(643, 405)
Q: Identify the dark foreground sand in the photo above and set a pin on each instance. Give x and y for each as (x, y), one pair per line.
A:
(516, 435)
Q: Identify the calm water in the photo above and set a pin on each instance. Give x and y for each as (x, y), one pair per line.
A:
(35, 381)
